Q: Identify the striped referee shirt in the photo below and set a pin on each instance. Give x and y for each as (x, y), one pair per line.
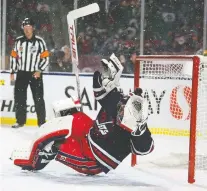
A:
(29, 55)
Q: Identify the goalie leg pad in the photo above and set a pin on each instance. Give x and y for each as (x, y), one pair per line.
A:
(77, 155)
(39, 157)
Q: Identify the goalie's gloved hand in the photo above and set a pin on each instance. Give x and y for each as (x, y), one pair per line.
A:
(141, 125)
(132, 113)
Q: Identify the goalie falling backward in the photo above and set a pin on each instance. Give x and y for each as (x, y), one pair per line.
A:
(87, 146)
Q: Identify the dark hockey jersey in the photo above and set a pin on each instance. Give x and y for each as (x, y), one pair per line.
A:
(111, 143)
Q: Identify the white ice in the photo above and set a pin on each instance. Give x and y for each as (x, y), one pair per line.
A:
(164, 169)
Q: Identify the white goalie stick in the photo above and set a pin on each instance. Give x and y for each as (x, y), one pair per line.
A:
(71, 17)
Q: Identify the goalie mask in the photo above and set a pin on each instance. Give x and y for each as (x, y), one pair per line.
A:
(66, 107)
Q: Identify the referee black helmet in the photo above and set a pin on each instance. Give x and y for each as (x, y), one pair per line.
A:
(27, 21)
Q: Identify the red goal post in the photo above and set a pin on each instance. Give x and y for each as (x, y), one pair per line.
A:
(179, 67)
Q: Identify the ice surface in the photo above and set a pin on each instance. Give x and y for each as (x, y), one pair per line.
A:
(164, 169)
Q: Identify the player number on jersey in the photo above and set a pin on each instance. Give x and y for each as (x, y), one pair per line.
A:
(102, 127)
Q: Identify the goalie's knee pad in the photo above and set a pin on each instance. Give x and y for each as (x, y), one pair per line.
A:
(42, 151)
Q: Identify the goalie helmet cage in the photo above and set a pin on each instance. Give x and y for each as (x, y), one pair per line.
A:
(177, 67)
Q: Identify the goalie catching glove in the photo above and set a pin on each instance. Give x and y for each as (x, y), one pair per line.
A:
(133, 113)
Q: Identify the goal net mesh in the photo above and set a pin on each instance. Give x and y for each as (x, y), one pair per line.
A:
(174, 76)
(201, 128)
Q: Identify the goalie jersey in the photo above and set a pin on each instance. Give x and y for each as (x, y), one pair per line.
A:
(111, 143)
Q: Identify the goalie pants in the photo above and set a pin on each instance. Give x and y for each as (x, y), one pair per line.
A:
(24, 79)
(76, 153)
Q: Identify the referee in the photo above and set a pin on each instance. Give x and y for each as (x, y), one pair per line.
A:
(28, 58)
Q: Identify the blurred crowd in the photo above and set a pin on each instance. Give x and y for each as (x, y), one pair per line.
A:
(171, 27)
(17, 10)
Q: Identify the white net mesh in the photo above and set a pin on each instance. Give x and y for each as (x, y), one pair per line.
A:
(167, 68)
(201, 129)
(169, 81)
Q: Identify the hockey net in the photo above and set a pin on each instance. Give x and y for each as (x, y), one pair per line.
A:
(178, 85)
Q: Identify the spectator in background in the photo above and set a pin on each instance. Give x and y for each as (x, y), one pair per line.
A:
(58, 64)
(171, 27)
(67, 61)
(67, 55)
(84, 43)
(42, 7)
(126, 63)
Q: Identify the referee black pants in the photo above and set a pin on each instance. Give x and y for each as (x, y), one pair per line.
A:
(24, 79)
